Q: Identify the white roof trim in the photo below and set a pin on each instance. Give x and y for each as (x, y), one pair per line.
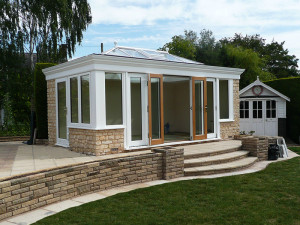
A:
(126, 64)
(258, 82)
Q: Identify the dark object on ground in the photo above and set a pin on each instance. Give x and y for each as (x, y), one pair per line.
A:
(273, 152)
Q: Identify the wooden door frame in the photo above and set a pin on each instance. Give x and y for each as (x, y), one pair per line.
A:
(204, 135)
(161, 140)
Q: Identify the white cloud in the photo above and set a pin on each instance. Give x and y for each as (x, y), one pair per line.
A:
(270, 18)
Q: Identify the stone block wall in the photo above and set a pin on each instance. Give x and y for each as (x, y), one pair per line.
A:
(96, 142)
(257, 146)
(51, 99)
(28, 192)
(229, 129)
(173, 162)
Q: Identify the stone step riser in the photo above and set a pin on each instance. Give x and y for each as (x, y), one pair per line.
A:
(214, 162)
(199, 155)
(210, 172)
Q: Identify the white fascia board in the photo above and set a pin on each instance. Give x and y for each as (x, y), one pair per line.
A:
(125, 64)
(258, 82)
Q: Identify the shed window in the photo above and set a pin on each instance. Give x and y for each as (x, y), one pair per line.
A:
(271, 109)
(85, 99)
(74, 99)
(224, 99)
(113, 95)
(244, 109)
(257, 109)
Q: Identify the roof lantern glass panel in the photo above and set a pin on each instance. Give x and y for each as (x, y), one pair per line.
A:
(147, 54)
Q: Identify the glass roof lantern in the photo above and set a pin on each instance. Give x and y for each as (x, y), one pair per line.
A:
(147, 54)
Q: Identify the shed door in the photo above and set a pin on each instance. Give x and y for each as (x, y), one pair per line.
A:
(271, 121)
(258, 118)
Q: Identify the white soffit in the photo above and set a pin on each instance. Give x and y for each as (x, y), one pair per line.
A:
(112, 63)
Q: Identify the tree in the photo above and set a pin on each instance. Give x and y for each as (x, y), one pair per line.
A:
(208, 49)
(49, 23)
(247, 59)
(276, 57)
(183, 46)
(52, 28)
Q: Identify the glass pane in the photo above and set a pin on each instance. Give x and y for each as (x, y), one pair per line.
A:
(254, 104)
(210, 107)
(254, 113)
(259, 104)
(242, 114)
(155, 105)
(247, 114)
(273, 113)
(246, 104)
(273, 104)
(242, 103)
(268, 104)
(74, 99)
(85, 99)
(259, 113)
(268, 113)
(199, 106)
(113, 95)
(224, 99)
(62, 110)
(136, 108)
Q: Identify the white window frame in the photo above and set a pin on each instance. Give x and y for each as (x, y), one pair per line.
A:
(79, 125)
(60, 141)
(230, 100)
(117, 126)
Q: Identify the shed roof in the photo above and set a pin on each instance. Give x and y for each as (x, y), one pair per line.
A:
(147, 54)
(258, 82)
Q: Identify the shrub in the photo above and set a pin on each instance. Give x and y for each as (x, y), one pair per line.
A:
(290, 88)
(40, 96)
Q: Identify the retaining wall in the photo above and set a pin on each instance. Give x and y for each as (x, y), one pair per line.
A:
(31, 191)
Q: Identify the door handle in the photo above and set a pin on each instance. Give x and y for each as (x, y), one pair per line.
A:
(205, 108)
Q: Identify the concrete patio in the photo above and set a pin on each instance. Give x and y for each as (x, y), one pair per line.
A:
(17, 158)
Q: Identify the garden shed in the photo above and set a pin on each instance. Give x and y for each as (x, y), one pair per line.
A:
(129, 98)
(262, 110)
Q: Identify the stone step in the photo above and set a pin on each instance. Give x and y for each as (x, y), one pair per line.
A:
(221, 168)
(215, 159)
(211, 151)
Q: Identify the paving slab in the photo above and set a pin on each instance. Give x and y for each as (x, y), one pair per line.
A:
(60, 206)
(30, 217)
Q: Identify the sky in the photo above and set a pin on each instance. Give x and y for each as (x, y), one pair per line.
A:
(150, 24)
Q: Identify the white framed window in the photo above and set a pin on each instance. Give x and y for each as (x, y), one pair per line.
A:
(244, 109)
(114, 98)
(79, 98)
(257, 109)
(271, 109)
(225, 100)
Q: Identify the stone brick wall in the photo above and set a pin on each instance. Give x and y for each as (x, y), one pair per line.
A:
(173, 162)
(51, 99)
(28, 192)
(257, 146)
(96, 142)
(229, 129)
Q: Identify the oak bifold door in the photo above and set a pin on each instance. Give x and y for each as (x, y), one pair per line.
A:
(156, 109)
(199, 106)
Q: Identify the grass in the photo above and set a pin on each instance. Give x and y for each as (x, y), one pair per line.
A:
(271, 196)
(295, 149)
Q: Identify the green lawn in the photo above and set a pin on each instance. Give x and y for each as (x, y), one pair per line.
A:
(295, 149)
(271, 196)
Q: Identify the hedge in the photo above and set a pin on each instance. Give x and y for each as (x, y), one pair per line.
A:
(40, 96)
(291, 88)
